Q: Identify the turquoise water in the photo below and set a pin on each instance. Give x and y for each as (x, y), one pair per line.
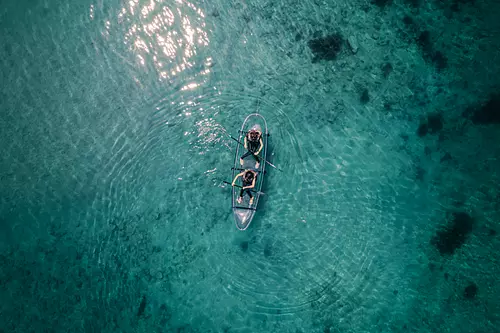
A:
(113, 212)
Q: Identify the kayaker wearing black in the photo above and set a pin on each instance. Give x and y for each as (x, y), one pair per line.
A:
(248, 178)
(253, 143)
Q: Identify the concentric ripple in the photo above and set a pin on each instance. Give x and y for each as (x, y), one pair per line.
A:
(312, 246)
(301, 255)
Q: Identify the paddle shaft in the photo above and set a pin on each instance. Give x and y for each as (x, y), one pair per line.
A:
(242, 187)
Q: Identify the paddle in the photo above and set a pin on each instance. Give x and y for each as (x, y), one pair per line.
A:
(274, 166)
(242, 187)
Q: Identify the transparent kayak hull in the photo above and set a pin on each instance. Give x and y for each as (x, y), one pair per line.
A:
(244, 212)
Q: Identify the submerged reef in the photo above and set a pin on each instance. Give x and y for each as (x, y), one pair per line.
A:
(470, 291)
(452, 236)
(433, 124)
(486, 114)
(424, 41)
(326, 48)
(386, 69)
(382, 3)
(365, 96)
(456, 5)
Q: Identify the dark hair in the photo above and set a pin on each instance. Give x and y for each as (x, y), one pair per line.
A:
(249, 175)
(253, 132)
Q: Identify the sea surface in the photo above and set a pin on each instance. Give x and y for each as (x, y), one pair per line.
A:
(380, 215)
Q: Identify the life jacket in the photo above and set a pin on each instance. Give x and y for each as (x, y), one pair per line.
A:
(253, 146)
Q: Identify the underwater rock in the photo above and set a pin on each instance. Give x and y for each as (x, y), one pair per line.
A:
(387, 69)
(446, 157)
(244, 246)
(184, 329)
(433, 125)
(413, 3)
(382, 3)
(437, 58)
(458, 4)
(451, 237)
(470, 291)
(419, 173)
(435, 122)
(424, 41)
(422, 130)
(268, 251)
(142, 307)
(326, 48)
(365, 96)
(408, 21)
(353, 43)
(488, 113)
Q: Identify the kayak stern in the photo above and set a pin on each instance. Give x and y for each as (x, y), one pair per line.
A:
(242, 217)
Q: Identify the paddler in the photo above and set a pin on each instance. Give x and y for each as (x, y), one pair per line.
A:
(253, 143)
(248, 178)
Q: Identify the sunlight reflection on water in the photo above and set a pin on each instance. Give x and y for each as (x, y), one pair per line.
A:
(165, 35)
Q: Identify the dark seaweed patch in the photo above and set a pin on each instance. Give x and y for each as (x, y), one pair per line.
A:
(470, 291)
(433, 124)
(408, 21)
(244, 246)
(326, 48)
(488, 113)
(422, 130)
(387, 69)
(142, 307)
(365, 96)
(268, 251)
(419, 173)
(439, 60)
(458, 4)
(452, 236)
(413, 3)
(446, 157)
(382, 3)
(424, 41)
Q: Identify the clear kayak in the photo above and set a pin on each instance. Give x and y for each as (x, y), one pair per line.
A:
(244, 212)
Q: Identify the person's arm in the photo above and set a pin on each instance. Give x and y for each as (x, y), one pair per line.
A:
(245, 143)
(235, 178)
(260, 147)
(253, 183)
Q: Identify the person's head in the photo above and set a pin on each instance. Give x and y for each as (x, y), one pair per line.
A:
(248, 175)
(253, 135)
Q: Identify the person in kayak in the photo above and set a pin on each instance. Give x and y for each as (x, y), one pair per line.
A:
(253, 143)
(248, 178)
